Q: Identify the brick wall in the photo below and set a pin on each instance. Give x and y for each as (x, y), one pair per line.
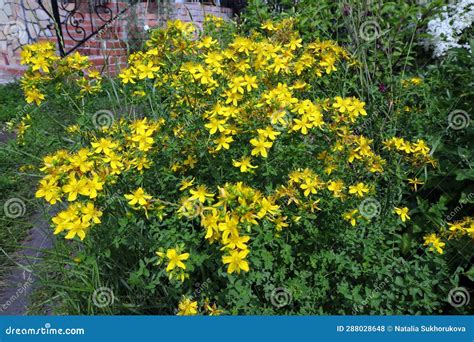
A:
(21, 22)
(24, 22)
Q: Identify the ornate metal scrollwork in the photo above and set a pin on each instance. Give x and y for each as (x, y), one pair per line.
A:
(79, 20)
(74, 20)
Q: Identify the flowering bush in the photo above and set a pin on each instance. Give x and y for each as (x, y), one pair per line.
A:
(46, 67)
(234, 170)
(450, 27)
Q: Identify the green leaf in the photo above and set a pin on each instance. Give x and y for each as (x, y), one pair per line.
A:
(406, 243)
(464, 174)
(399, 281)
(467, 196)
(470, 273)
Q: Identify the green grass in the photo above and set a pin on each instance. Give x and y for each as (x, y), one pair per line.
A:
(10, 99)
(12, 185)
(18, 182)
(47, 133)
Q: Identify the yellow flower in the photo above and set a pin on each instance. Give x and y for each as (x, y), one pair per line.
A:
(223, 142)
(215, 125)
(415, 182)
(236, 241)
(357, 107)
(39, 62)
(342, 105)
(91, 186)
(141, 163)
(127, 76)
(420, 147)
(211, 223)
(236, 85)
(212, 309)
(351, 216)
(214, 59)
(328, 62)
(205, 76)
(403, 213)
(103, 146)
(139, 93)
(206, 42)
(280, 223)
(469, 229)
(267, 206)
(278, 117)
(77, 227)
(200, 193)
(261, 146)
(190, 161)
(34, 95)
(115, 161)
(279, 64)
(268, 132)
(147, 70)
(187, 307)
(64, 218)
(229, 227)
(73, 129)
(236, 261)
(81, 160)
(175, 259)
(242, 44)
(49, 190)
(310, 186)
(250, 82)
(232, 97)
(138, 197)
(217, 21)
(186, 184)
(268, 25)
(434, 242)
(294, 43)
(416, 80)
(302, 124)
(94, 74)
(144, 139)
(244, 164)
(359, 189)
(336, 187)
(73, 188)
(91, 213)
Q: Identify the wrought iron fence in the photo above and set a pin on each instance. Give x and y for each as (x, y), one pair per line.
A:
(79, 20)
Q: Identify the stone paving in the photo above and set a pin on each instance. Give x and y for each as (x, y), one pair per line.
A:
(19, 283)
(19, 280)
(6, 77)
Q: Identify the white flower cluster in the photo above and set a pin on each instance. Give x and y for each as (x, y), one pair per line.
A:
(446, 29)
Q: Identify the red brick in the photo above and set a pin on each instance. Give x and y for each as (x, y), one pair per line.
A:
(115, 44)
